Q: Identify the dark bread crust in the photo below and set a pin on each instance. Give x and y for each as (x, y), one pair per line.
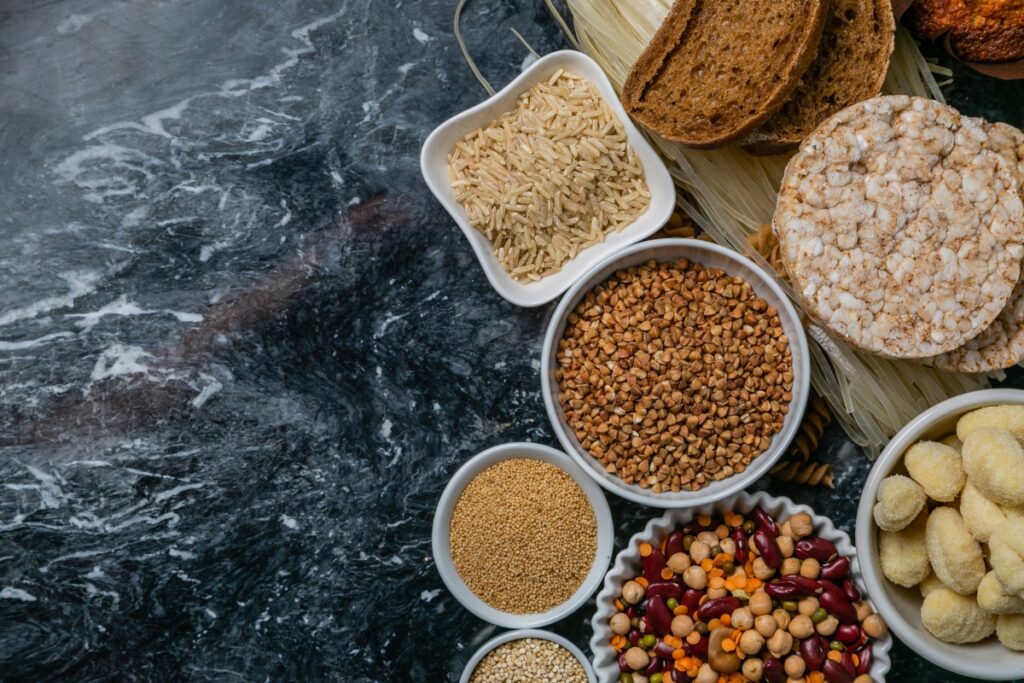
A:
(853, 57)
(740, 59)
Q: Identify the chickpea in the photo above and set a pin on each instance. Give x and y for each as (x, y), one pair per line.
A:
(863, 678)
(789, 680)
(863, 610)
(781, 617)
(785, 544)
(795, 666)
(751, 642)
(766, 625)
(721, 531)
(695, 577)
(715, 593)
(760, 603)
(678, 563)
(801, 524)
(632, 592)
(640, 678)
(786, 529)
(620, 624)
(706, 674)
(810, 568)
(780, 643)
(708, 537)
(637, 659)
(874, 626)
(742, 618)
(728, 546)
(682, 626)
(761, 569)
(753, 669)
(827, 626)
(790, 565)
(807, 606)
(700, 551)
(801, 626)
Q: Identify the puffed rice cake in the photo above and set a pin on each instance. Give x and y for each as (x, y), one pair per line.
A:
(1002, 343)
(900, 231)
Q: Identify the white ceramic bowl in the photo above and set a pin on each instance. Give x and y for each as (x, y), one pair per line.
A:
(901, 607)
(628, 564)
(441, 540)
(713, 256)
(518, 635)
(434, 166)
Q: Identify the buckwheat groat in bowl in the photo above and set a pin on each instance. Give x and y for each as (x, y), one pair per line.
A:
(901, 229)
(675, 373)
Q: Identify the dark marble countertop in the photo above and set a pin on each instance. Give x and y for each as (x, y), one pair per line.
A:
(242, 348)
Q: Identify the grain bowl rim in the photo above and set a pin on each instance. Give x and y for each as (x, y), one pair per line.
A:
(520, 634)
(441, 545)
(733, 263)
(989, 660)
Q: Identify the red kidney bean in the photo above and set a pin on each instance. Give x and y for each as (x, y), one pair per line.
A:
(836, 604)
(764, 521)
(819, 548)
(829, 586)
(674, 544)
(645, 625)
(653, 564)
(850, 590)
(655, 666)
(865, 656)
(699, 649)
(635, 635)
(664, 589)
(663, 650)
(835, 672)
(773, 671)
(848, 634)
(740, 537)
(809, 586)
(691, 598)
(836, 569)
(812, 650)
(713, 609)
(659, 615)
(693, 527)
(631, 612)
(848, 664)
(768, 548)
(783, 590)
(623, 667)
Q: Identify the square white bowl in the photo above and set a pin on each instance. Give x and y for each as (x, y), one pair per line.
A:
(440, 143)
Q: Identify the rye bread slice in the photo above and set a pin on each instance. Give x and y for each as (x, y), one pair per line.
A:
(853, 56)
(717, 69)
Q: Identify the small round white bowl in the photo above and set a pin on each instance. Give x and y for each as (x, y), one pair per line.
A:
(712, 256)
(441, 539)
(901, 607)
(440, 143)
(628, 564)
(519, 634)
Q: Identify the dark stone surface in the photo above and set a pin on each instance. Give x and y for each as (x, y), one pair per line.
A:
(242, 348)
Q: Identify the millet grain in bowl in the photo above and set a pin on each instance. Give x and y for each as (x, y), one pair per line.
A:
(529, 660)
(550, 179)
(523, 536)
(673, 375)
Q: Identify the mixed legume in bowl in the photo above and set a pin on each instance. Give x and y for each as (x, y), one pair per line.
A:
(675, 373)
(522, 536)
(750, 588)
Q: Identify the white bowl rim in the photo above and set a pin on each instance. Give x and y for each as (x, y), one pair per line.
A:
(530, 295)
(520, 634)
(440, 548)
(928, 647)
(737, 482)
(672, 518)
